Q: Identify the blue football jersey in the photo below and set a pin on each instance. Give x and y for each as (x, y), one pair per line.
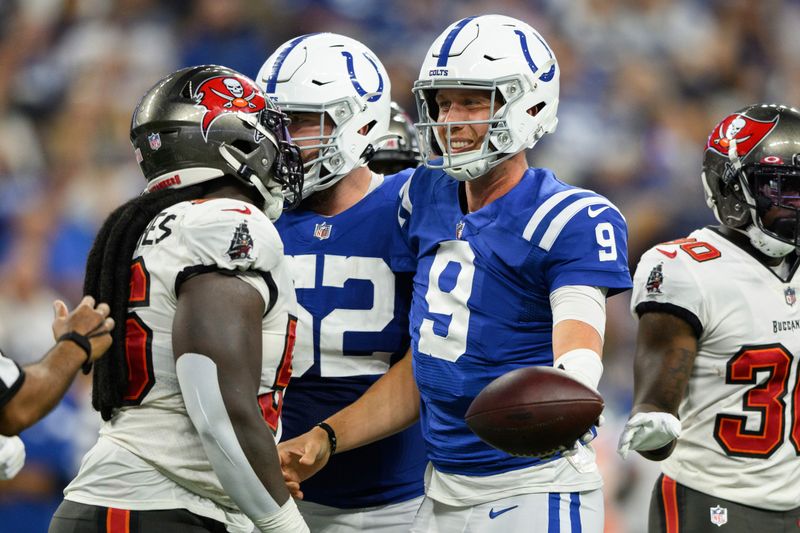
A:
(353, 274)
(481, 304)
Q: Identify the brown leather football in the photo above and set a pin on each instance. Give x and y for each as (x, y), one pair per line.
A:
(533, 411)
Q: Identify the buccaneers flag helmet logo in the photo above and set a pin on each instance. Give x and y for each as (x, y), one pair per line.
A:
(748, 133)
(227, 94)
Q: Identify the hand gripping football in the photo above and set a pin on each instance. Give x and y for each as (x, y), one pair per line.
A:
(533, 411)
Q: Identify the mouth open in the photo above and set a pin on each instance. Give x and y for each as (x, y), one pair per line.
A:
(458, 146)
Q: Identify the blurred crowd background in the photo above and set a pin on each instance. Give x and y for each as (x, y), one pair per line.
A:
(642, 84)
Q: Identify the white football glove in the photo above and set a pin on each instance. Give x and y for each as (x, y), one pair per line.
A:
(648, 431)
(12, 456)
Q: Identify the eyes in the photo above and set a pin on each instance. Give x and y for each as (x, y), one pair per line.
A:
(469, 103)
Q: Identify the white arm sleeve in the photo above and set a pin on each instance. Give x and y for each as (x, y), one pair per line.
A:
(580, 302)
(199, 383)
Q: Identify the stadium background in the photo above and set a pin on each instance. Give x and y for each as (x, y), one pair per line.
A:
(642, 83)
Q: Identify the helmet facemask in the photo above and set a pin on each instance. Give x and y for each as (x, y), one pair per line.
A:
(281, 191)
(436, 137)
(771, 194)
(776, 209)
(327, 166)
(400, 151)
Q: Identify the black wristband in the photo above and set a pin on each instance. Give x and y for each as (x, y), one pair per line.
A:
(80, 340)
(331, 435)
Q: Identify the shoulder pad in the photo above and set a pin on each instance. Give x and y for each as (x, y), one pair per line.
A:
(230, 234)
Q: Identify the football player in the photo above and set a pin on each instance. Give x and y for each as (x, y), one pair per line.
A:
(716, 394)
(401, 150)
(352, 272)
(202, 296)
(513, 270)
(27, 395)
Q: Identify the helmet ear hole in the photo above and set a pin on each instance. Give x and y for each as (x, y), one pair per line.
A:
(246, 147)
(366, 128)
(533, 111)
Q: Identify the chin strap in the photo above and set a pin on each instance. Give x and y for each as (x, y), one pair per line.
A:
(766, 244)
(733, 158)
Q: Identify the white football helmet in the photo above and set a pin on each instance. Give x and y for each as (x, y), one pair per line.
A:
(343, 81)
(493, 53)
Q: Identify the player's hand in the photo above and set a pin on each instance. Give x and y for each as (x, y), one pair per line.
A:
(302, 457)
(12, 456)
(88, 320)
(648, 431)
(590, 435)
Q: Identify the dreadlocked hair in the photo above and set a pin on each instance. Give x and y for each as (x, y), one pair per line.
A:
(108, 272)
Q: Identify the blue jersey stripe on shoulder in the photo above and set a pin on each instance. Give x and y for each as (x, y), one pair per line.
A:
(405, 202)
(561, 220)
(544, 209)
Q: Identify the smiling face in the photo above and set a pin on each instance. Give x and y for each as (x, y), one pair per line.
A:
(460, 105)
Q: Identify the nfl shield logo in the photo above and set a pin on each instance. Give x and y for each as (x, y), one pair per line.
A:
(459, 229)
(322, 231)
(155, 141)
(790, 295)
(719, 516)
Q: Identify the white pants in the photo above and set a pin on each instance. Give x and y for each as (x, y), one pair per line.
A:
(566, 512)
(392, 518)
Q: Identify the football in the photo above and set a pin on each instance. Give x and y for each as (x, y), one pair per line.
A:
(533, 411)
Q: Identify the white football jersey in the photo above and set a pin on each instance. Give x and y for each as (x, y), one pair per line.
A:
(186, 239)
(741, 411)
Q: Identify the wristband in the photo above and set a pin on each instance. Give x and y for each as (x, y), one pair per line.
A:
(80, 340)
(582, 364)
(331, 435)
(286, 519)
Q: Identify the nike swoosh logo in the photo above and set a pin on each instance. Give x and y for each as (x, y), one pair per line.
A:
(494, 514)
(671, 255)
(245, 211)
(594, 212)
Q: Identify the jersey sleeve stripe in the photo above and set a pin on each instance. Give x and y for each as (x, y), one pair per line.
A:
(405, 202)
(560, 221)
(544, 209)
(671, 309)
